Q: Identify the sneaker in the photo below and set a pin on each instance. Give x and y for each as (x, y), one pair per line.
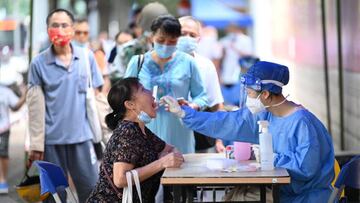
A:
(4, 188)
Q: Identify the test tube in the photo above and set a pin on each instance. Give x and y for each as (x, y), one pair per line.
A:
(154, 93)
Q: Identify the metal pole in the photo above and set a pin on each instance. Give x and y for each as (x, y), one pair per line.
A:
(17, 31)
(30, 30)
(340, 69)
(326, 68)
(25, 75)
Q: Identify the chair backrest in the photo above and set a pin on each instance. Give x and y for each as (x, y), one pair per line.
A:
(337, 172)
(348, 176)
(51, 177)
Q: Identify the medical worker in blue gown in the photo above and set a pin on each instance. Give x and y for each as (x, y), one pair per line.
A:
(301, 143)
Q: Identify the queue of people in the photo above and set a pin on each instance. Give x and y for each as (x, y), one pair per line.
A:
(161, 65)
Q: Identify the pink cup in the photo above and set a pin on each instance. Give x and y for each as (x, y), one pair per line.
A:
(242, 151)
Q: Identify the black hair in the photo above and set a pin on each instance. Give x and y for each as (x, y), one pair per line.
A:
(137, 10)
(122, 91)
(132, 25)
(58, 10)
(126, 31)
(167, 24)
(272, 94)
(81, 20)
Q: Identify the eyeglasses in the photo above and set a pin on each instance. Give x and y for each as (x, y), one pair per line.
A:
(78, 32)
(58, 25)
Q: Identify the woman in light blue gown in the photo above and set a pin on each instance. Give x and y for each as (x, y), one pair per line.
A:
(175, 74)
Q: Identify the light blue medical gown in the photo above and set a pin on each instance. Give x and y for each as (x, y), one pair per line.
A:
(180, 78)
(301, 144)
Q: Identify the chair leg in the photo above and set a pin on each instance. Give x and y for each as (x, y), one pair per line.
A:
(56, 198)
(70, 195)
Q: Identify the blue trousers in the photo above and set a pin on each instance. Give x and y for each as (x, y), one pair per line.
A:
(80, 161)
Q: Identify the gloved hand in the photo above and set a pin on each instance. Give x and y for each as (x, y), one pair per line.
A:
(172, 106)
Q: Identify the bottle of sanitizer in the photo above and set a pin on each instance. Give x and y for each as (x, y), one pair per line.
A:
(266, 146)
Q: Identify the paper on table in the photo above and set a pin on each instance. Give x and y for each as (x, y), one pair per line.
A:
(220, 163)
(244, 168)
(230, 165)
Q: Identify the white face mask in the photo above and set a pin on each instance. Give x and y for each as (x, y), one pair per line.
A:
(254, 104)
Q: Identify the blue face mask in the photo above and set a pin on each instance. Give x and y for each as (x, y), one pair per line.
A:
(187, 44)
(164, 51)
(76, 43)
(144, 117)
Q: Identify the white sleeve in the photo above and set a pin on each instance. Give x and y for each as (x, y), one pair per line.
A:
(214, 92)
(11, 98)
(217, 51)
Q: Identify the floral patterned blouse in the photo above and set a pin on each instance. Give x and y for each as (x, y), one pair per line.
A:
(128, 144)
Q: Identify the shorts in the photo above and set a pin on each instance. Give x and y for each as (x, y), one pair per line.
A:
(4, 144)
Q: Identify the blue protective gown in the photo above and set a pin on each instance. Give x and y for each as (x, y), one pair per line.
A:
(179, 78)
(301, 144)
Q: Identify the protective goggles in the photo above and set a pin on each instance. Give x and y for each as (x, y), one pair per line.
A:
(255, 82)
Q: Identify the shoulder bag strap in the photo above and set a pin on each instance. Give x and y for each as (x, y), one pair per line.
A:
(127, 198)
(137, 183)
(140, 63)
(113, 185)
(88, 69)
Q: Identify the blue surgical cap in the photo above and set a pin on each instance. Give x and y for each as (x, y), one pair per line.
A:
(265, 71)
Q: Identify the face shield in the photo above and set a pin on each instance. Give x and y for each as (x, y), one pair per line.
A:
(257, 84)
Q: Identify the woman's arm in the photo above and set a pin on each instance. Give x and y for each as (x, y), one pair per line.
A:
(168, 149)
(171, 160)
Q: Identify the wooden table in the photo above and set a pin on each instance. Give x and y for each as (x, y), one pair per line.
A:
(194, 172)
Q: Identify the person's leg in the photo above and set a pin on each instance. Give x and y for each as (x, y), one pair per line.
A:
(4, 161)
(56, 154)
(83, 168)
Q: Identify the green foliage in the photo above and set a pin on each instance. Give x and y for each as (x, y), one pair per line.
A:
(23, 7)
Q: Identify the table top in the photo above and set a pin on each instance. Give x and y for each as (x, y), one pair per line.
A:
(207, 169)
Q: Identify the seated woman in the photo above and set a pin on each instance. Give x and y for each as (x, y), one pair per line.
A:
(132, 145)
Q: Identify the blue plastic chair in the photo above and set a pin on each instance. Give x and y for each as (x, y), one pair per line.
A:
(349, 176)
(52, 178)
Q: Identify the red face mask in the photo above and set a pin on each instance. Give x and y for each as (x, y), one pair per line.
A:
(60, 39)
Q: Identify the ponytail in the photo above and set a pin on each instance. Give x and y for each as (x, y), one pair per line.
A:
(112, 120)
